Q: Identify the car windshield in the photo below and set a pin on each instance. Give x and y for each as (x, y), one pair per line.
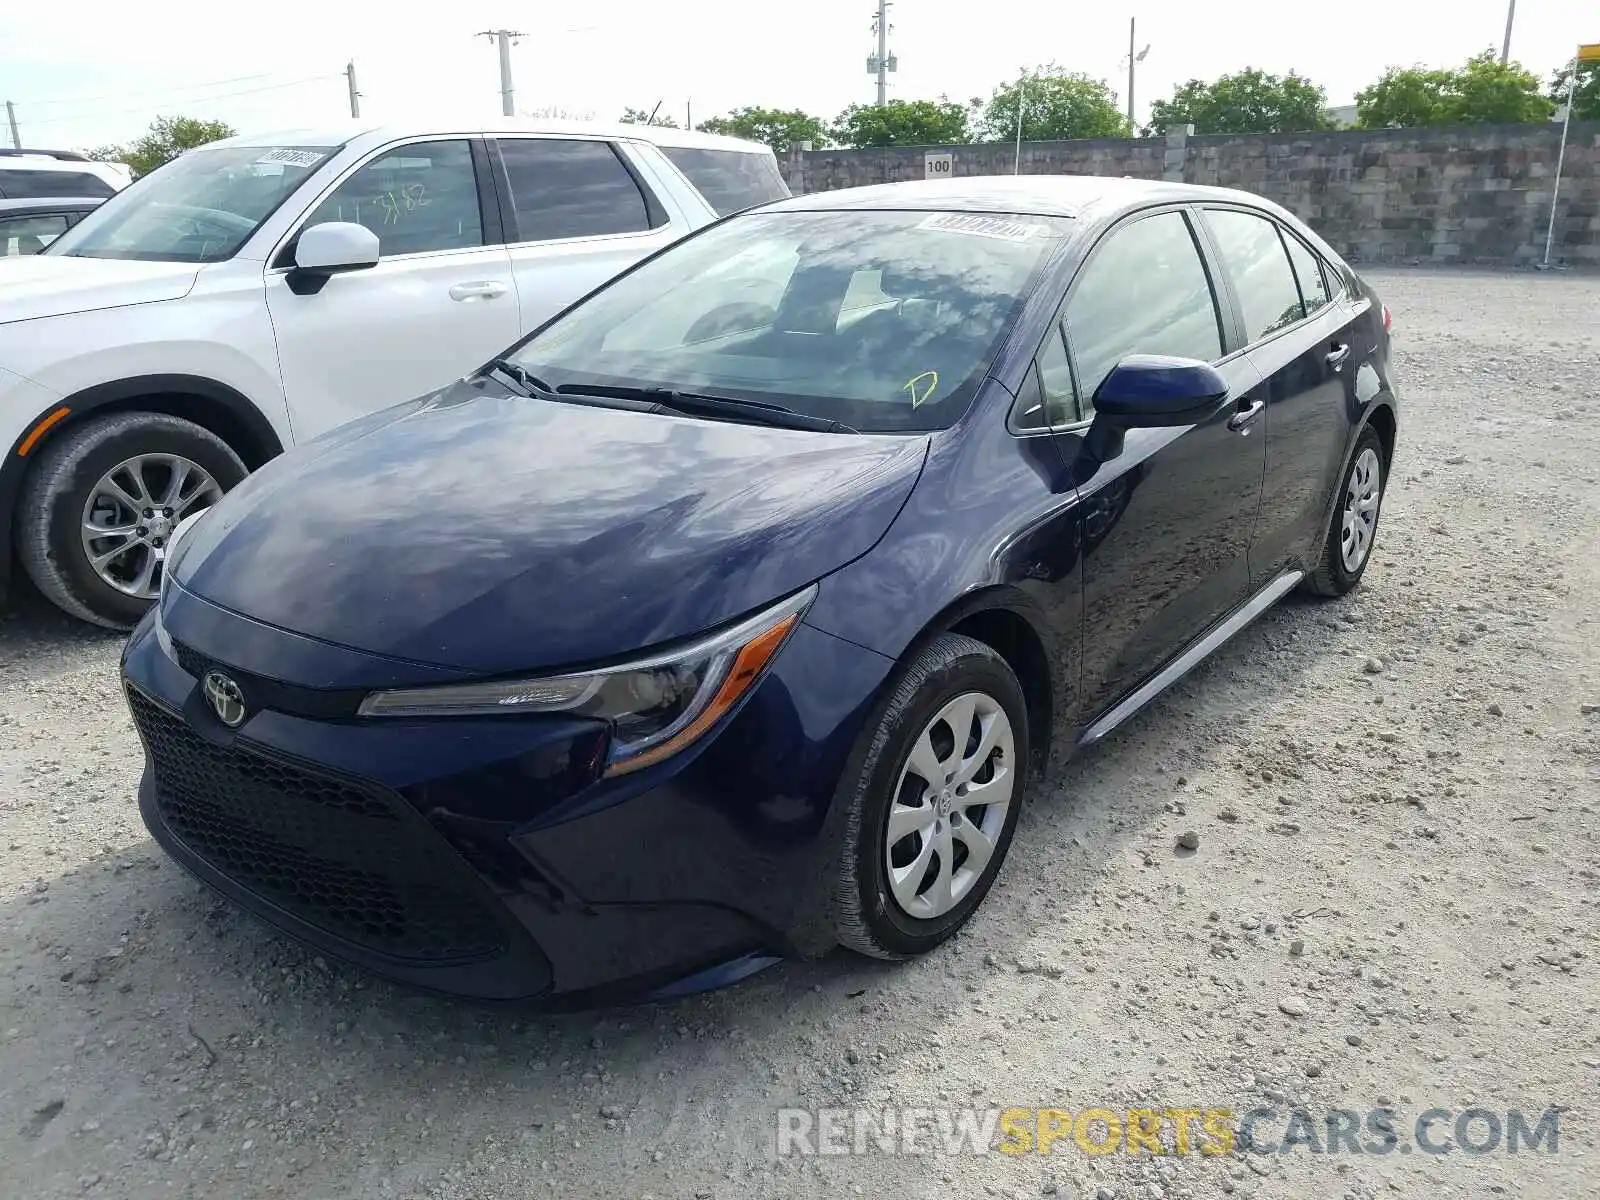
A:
(884, 321)
(200, 207)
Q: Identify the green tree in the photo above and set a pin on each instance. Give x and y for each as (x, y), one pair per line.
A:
(1404, 98)
(1056, 104)
(778, 128)
(1587, 107)
(1249, 101)
(638, 116)
(1488, 91)
(1481, 91)
(940, 122)
(166, 138)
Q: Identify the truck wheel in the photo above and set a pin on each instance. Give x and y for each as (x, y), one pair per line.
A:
(101, 502)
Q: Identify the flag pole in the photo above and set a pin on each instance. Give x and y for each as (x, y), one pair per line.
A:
(1561, 155)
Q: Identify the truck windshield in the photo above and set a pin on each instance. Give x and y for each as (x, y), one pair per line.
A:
(200, 207)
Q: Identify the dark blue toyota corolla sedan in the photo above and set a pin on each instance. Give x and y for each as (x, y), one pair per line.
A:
(733, 614)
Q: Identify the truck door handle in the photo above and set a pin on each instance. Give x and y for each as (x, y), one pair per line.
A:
(486, 289)
(1337, 355)
(1240, 421)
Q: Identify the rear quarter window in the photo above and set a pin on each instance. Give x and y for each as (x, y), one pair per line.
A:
(730, 180)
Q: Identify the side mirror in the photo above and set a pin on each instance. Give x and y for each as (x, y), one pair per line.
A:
(1151, 391)
(328, 248)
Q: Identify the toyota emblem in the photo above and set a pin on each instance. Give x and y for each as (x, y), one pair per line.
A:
(225, 698)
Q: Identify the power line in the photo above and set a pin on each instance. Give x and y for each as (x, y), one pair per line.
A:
(271, 87)
(146, 92)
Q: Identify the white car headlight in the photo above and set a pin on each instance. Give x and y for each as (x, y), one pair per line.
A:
(656, 705)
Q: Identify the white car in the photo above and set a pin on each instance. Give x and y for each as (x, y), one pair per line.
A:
(258, 291)
(35, 174)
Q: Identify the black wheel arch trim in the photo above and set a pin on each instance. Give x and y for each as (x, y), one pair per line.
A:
(237, 421)
(1009, 601)
(1385, 403)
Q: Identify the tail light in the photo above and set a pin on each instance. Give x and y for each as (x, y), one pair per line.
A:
(1388, 321)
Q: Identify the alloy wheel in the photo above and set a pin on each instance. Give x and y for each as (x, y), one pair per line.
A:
(130, 514)
(950, 805)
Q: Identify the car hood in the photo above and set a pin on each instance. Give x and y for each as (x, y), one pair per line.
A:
(55, 285)
(493, 533)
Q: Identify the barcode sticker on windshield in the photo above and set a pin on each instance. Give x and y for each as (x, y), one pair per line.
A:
(292, 158)
(982, 226)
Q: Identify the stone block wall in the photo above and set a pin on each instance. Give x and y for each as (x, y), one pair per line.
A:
(1451, 194)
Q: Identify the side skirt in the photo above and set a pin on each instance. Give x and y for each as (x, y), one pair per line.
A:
(1197, 652)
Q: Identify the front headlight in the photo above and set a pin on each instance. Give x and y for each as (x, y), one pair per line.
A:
(656, 706)
(169, 552)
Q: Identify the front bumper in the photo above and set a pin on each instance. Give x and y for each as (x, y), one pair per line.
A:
(486, 857)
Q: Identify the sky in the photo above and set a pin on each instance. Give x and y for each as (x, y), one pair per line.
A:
(84, 76)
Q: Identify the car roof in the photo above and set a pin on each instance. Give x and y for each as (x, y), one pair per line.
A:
(339, 133)
(1034, 195)
(50, 203)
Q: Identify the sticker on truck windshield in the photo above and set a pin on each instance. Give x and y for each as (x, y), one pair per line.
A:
(292, 158)
(983, 226)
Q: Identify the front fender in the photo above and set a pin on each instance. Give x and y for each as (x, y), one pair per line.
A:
(994, 524)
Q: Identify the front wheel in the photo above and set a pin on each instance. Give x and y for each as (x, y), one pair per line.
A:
(934, 802)
(101, 503)
(1347, 546)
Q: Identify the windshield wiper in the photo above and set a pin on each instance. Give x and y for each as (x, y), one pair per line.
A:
(525, 383)
(525, 380)
(706, 404)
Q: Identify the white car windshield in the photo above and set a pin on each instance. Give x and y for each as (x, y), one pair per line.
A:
(883, 321)
(200, 207)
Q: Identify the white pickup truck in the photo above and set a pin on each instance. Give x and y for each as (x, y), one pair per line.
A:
(257, 291)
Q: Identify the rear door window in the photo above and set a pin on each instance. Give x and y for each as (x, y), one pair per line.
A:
(27, 185)
(1253, 252)
(730, 180)
(571, 187)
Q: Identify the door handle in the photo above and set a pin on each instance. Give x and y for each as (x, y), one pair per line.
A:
(1241, 421)
(1337, 355)
(486, 289)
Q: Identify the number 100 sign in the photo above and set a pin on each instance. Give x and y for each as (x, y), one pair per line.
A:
(938, 166)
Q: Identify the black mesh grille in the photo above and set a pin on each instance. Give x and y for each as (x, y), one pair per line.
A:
(190, 659)
(341, 856)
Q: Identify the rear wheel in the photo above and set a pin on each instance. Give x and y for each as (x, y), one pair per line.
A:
(934, 803)
(1347, 547)
(99, 506)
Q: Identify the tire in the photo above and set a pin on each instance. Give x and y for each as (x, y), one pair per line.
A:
(868, 916)
(52, 510)
(1334, 576)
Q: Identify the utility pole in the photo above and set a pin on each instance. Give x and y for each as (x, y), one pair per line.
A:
(1133, 60)
(1511, 15)
(1022, 84)
(502, 37)
(355, 95)
(881, 63)
(11, 116)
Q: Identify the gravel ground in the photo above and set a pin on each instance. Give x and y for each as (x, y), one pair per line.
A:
(1393, 901)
